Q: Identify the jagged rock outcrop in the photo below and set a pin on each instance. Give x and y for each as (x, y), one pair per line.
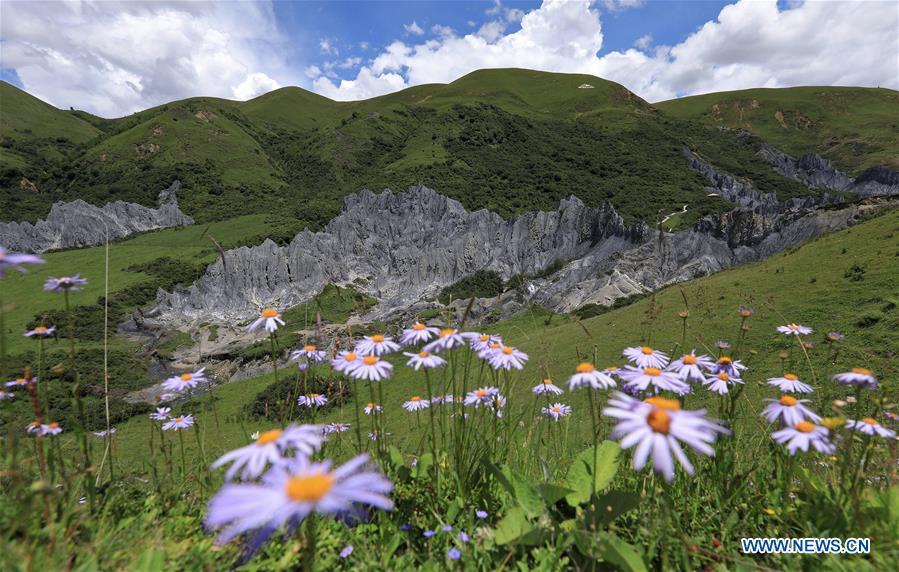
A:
(78, 223)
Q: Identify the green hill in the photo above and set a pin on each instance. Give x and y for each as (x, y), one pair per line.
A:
(27, 118)
(854, 127)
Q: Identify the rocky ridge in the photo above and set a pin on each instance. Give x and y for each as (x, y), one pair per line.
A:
(78, 224)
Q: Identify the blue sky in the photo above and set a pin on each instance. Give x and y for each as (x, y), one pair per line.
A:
(115, 58)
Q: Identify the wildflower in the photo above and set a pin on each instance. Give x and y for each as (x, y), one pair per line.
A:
(373, 435)
(269, 449)
(833, 423)
(291, 491)
(424, 359)
(482, 514)
(336, 428)
(730, 366)
(447, 339)
(507, 358)
(161, 413)
(376, 345)
(428, 533)
(178, 423)
(184, 381)
(789, 410)
(418, 333)
(6, 395)
(347, 550)
(481, 396)
(310, 352)
(15, 261)
(372, 369)
(270, 318)
(746, 311)
(405, 527)
(33, 428)
(722, 345)
(547, 386)
(312, 400)
(447, 528)
(105, 434)
(658, 426)
(556, 411)
(645, 356)
(721, 383)
(345, 362)
(454, 553)
(40, 331)
(794, 330)
(65, 284)
(870, 426)
(835, 337)
(49, 429)
(464, 537)
(372, 408)
(482, 342)
(643, 378)
(691, 366)
(789, 383)
(803, 434)
(416, 403)
(487, 352)
(587, 376)
(20, 382)
(858, 376)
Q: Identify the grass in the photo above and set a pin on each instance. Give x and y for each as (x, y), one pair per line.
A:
(853, 127)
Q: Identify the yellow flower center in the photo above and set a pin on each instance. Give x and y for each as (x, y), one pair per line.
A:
(652, 371)
(350, 357)
(870, 421)
(556, 409)
(793, 327)
(186, 377)
(508, 351)
(179, 419)
(723, 376)
(788, 401)
(418, 326)
(370, 360)
(495, 346)
(309, 488)
(584, 368)
(725, 359)
(41, 330)
(790, 376)
(56, 425)
(371, 405)
(269, 313)
(481, 392)
(445, 332)
(309, 348)
(662, 403)
(745, 313)
(314, 395)
(659, 421)
(377, 338)
(423, 354)
(415, 398)
(805, 426)
(547, 382)
(861, 371)
(646, 350)
(268, 437)
(689, 359)
(485, 338)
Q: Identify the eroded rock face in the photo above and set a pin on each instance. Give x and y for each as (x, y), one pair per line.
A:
(77, 223)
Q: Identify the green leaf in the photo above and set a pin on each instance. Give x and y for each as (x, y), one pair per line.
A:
(610, 506)
(396, 458)
(618, 552)
(423, 466)
(553, 493)
(513, 526)
(151, 560)
(521, 491)
(582, 479)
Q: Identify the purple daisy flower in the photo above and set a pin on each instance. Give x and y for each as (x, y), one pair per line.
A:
(41, 332)
(482, 342)
(179, 423)
(310, 352)
(481, 396)
(644, 378)
(588, 376)
(547, 387)
(376, 345)
(691, 367)
(50, 429)
(721, 383)
(64, 284)
(312, 400)
(794, 330)
(416, 403)
(789, 410)
(371, 368)
(556, 411)
(347, 550)
(424, 359)
(188, 380)
(268, 318)
(858, 376)
(804, 434)
(454, 554)
(507, 358)
(789, 383)
(331, 428)
(645, 356)
(161, 413)
(418, 333)
(271, 447)
(345, 362)
(870, 426)
(447, 339)
(15, 261)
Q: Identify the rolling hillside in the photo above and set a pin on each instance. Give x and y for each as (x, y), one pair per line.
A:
(856, 128)
(509, 140)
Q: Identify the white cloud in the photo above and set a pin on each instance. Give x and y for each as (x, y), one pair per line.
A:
(752, 43)
(414, 28)
(643, 42)
(617, 5)
(327, 47)
(442, 31)
(116, 58)
(349, 63)
(312, 72)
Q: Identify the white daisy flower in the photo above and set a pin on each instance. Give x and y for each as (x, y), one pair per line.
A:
(657, 426)
(372, 408)
(870, 426)
(178, 423)
(332, 428)
(691, 366)
(270, 318)
(556, 411)
(642, 378)
(794, 330)
(312, 400)
(447, 339)
(721, 383)
(310, 352)
(161, 413)
(588, 376)
(803, 434)
(480, 396)
(858, 376)
(789, 410)
(270, 448)
(345, 362)
(6, 395)
(481, 342)
(491, 348)
(33, 428)
(507, 358)
(424, 359)
(49, 429)
(547, 386)
(789, 383)
(645, 356)
(730, 366)
(418, 333)
(416, 403)
(184, 381)
(372, 369)
(105, 434)
(376, 345)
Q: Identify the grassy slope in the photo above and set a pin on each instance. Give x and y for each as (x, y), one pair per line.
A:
(806, 285)
(27, 117)
(853, 127)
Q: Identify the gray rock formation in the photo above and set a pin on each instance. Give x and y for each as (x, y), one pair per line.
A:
(78, 223)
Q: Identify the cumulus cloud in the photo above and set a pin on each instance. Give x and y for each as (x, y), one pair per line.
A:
(414, 28)
(643, 42)
(752, 43)
(116, 58)
(617, 5)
